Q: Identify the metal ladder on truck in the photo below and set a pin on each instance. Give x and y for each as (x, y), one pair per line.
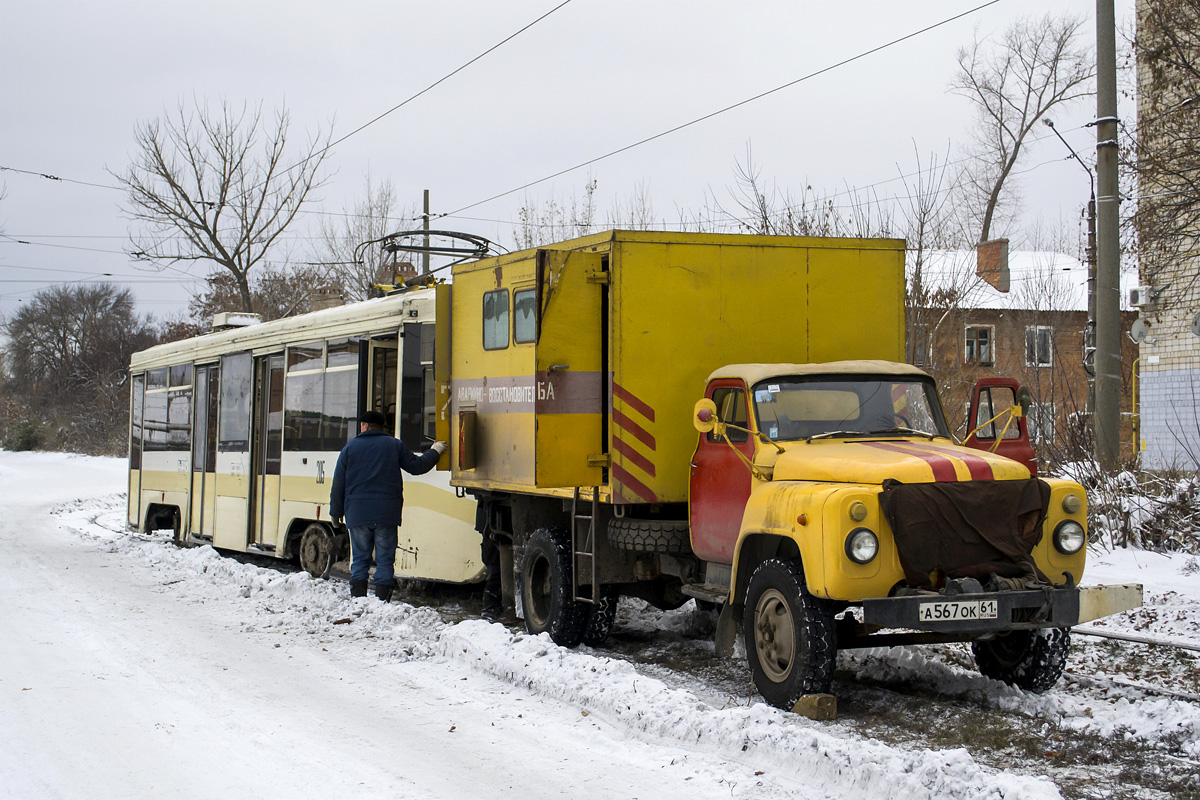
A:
(583, 545)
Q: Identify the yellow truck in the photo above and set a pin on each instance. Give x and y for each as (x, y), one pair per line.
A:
(727, 418)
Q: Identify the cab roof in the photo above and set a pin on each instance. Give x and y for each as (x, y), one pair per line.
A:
(753, 373)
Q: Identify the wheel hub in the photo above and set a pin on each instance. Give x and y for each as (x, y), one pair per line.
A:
(774, 635)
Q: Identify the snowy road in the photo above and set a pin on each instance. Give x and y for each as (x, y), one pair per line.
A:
(132, 668)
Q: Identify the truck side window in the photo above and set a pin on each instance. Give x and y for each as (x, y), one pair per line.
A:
(731, 408)
(524, 310)
(495, 320)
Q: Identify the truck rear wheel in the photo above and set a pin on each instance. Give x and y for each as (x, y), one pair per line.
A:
(317, 550)
(600, 616)
(790, 640)
(650, 535)
(1029, 660)
(547, 590)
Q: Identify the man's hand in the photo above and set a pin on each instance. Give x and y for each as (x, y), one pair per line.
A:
(337, 521)
(440, 447)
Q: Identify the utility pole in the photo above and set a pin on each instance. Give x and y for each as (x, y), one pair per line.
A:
(1107, 417)
(425, 227)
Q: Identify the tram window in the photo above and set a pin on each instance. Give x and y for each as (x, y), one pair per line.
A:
(340, 408)
(155, 421)
(156, 378)
(214, 394)
(135, 423)
(236, 382)
(179, 419)
(343, 353)
(428, 342)
(310, 355)
(524, 308)
(200, 442)
(302, 403)
(181, 375)
(495, 320)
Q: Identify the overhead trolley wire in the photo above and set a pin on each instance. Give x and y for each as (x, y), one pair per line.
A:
(440, 80)
(708, 116)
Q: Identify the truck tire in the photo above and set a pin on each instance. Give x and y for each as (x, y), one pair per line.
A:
(318, 550)
(600, 616)
(1029, 660)
(791, 643)
(547, 590)
(650, 535)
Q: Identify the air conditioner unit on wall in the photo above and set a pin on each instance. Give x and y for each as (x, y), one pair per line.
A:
(1139, 296)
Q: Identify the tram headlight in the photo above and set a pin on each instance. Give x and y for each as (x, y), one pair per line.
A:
(1069, 537)
(862, 545)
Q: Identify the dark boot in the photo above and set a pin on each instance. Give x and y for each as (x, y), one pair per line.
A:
(358, 588)
(384, 592)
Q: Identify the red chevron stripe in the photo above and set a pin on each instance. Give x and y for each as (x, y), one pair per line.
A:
(635, 430)
(634, 457)
(628, 398)
(943, 468)
(627, 481)
(979, 468)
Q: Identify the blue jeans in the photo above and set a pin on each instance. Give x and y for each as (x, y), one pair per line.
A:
(382, 540)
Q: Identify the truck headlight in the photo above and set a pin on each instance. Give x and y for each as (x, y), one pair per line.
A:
(1069, 537)
(861, 545)
(1071, 504)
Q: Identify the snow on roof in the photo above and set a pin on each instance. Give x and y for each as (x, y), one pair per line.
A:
(1039, 280)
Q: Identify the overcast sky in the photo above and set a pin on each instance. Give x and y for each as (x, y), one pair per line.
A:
(590, 78)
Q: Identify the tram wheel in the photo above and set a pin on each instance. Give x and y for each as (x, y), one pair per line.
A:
(317, 550)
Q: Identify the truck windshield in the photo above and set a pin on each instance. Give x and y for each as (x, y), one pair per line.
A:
(792, 408)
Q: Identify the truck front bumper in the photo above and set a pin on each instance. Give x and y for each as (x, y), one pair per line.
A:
(1001, 611)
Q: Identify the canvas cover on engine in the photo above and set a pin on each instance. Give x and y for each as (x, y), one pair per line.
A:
(966, 530)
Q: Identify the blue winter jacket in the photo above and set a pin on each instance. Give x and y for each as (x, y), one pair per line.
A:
(367, 486)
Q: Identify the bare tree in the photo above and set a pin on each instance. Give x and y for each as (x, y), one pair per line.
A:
(369, 219)
(1037, 65)
(275, 292)
(554, 221)
(216, 186)
(761, 207)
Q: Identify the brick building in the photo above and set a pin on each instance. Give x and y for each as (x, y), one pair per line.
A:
(1023, 320)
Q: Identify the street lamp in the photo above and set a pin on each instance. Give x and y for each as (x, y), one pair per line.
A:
(1089, 334)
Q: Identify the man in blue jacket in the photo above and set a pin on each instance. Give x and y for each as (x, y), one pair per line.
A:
(368, 491)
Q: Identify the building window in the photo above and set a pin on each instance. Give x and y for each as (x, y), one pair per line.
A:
(978, 347)
(495, 320)
(919, 345)
(1041, 423)
(1038, 339)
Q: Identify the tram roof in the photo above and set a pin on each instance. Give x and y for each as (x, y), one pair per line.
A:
(367, 318)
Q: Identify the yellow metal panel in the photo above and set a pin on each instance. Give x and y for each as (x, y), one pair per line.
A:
(442, 369)
(570, 386)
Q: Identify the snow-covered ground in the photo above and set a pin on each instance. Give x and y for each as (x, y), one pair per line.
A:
(131, 668)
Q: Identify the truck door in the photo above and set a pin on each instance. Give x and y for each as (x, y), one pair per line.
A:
(570, 403)
(990, 397)
(720, 482)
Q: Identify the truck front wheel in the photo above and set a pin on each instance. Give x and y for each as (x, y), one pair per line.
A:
(547, 592)
(790, 640)
(1029, 660)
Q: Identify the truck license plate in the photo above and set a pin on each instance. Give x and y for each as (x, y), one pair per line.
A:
(957, 610)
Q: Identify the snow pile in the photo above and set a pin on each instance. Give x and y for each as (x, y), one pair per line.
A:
(294, 604)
